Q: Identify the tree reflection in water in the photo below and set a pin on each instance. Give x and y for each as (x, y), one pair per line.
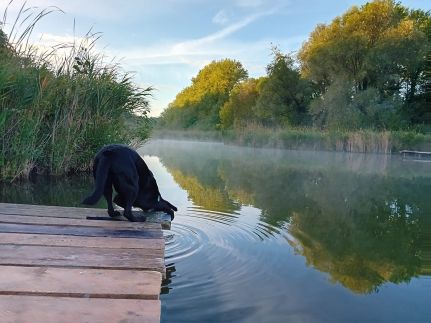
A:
(362, 220)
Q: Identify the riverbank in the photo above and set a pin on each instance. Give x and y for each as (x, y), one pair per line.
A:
(57, 111)
(363, 141)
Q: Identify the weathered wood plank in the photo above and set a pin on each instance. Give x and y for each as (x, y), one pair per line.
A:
(136, 259)
(78, 213)
(56, 266)
(32, 219)
(78, 282)
(50, 211)
(77, 241)
(158, 217)
(41, 309)
(80, 231)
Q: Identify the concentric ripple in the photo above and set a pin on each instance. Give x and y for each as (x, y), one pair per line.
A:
(210, 256)
(183, 241)
(199, 228)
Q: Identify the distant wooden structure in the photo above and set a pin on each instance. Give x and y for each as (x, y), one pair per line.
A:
(416, 155)
(57, 266)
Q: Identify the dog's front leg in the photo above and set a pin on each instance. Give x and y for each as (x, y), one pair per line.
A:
(128, 211)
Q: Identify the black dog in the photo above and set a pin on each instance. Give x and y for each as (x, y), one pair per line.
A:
(123, 168)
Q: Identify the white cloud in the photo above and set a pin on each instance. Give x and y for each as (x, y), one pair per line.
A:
(221, 18)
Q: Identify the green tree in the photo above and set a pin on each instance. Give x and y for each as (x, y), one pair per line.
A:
(380, 45)
(238, 110)
(198, 105)
(285, 95)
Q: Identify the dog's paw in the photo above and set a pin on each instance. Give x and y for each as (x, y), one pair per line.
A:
(129, 217)
(114, 214)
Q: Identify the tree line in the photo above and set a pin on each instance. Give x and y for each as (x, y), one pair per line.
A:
(369, 68)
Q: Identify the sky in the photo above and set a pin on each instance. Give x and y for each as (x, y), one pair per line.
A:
(165, 43)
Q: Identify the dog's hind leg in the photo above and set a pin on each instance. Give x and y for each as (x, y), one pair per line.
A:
(107, 192)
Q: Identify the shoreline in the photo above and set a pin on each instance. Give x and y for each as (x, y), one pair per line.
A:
(364, 141)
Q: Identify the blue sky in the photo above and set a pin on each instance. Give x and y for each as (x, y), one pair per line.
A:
(166, 42)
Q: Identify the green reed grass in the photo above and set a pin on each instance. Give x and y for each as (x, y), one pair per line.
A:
(364, 141)
(59, 106)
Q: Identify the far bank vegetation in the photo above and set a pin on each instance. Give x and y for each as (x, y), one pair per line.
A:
(359, 83)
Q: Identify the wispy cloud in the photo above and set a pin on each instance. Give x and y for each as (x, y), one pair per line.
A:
(221, 18)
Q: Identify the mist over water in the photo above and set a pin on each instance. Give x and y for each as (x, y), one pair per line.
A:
(266, 235)
(272, 235)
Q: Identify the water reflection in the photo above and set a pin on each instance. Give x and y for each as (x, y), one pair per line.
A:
(278, 236)
(362, 219)
(43, 190)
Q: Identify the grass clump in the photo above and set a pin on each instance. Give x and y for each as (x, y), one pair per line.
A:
(59, 106)
(364, 141)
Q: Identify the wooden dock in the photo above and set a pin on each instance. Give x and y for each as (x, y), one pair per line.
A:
(57, 266)
(416, 155)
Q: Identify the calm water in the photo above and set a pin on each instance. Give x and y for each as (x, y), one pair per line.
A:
(276, 236)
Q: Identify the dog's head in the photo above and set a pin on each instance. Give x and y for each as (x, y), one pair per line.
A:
(149, 204)
(165, 206)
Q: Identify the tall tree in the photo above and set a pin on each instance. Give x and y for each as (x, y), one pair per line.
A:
(238, 110)
(199, 104)
(380, 45)
(285, 95)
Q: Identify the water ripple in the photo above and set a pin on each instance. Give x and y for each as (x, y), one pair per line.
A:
(197, 228)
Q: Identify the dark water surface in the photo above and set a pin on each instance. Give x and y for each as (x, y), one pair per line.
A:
(267, 235)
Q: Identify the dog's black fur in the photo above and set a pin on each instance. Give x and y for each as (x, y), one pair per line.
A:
(123, 168)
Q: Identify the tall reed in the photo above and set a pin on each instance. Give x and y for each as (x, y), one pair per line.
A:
(58, 106)
(364, 141)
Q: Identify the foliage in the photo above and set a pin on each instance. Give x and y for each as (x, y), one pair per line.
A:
(367, 69)
(55, 112)
(238, 110)
(198, 105)
(285, 95)
(381, 45)
(364, 141)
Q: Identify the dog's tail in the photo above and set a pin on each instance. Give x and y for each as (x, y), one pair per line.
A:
(101, 175)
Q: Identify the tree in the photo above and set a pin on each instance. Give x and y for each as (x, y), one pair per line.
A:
(285, 95)
(340, 107)
(199, 104)
(238, 110)
(380, 45)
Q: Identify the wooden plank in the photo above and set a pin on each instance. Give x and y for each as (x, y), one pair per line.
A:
(79, 213)
(50, 211)
(76, 241)
(136, 259)
(427, 153)
(41, 309)
(80, 231)
(56, 266)
(67, 282)
(32, 219)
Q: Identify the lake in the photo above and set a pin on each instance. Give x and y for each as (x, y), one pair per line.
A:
(264, 235)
